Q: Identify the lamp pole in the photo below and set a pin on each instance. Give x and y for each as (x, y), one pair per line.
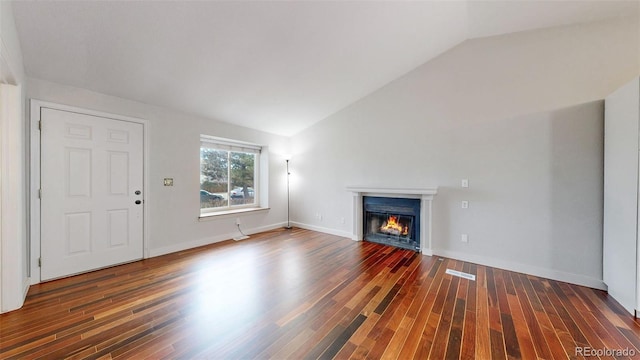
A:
(288, 173)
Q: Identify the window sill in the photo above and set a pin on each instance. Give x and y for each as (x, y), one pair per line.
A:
(229, 213)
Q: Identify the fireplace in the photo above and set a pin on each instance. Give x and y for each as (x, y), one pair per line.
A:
(421, 216)
(392, 221)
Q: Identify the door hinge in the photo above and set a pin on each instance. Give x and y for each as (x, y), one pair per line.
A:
(39, 262)
(39, 193)
(40, 125)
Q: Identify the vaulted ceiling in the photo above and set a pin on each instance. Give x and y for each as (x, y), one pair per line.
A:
(273, 66)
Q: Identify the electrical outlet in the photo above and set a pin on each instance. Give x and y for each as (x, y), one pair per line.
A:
(237, 221)
(464, 238)
(465, 204)
(342, 220)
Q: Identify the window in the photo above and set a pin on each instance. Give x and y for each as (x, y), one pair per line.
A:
(229, 172)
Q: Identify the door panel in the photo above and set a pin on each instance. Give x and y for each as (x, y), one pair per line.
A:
(91, 168)
(78, 177)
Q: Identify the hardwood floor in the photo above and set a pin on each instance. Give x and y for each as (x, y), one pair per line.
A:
(301, 294)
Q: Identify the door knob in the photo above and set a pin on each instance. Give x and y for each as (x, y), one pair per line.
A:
(138, 192)
(138, 202)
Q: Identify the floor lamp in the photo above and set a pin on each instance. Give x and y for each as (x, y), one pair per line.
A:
(288, 221)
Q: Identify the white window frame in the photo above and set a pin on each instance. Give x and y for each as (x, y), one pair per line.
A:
(230, 145)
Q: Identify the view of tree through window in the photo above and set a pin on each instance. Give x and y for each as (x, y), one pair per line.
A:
(227, 178)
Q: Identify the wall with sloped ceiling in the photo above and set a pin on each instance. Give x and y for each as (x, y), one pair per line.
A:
(174, 152)
(519, 115)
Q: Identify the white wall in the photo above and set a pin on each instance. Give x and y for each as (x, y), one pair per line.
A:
(13, 175)
(519, 115)
(620, 228)
(11, 54)
(174, 153)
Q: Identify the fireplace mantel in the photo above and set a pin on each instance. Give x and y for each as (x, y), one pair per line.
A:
(426, 195)
(392, 191)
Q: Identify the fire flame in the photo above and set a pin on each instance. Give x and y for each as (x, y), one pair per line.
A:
(392, 226)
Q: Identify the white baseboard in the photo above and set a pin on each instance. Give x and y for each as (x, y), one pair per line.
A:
(25, 287)
(19, 302)
(486, 261)
(476, 259)
(625, 303)
(209, 240)
(524, 268)
(323, 230)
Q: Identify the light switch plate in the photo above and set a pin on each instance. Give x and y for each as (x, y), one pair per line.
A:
(465, 204)
(168, 181)
(465, 183)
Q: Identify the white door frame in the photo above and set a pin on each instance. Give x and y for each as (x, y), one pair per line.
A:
(34, 186)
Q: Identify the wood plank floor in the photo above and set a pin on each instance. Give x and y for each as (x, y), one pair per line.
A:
(302, 295)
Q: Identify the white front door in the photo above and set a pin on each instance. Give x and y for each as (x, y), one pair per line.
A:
(92, 195)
